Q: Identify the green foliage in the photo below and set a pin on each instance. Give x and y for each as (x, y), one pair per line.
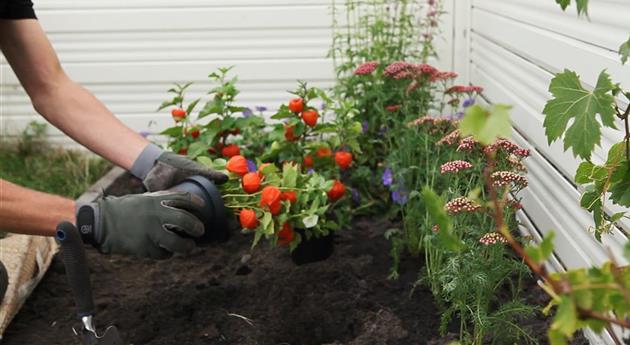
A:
(582, 5)
(487, 125)
(435, 207)
(573, 101)
(32, 162)
(624, 51)
(542, 252)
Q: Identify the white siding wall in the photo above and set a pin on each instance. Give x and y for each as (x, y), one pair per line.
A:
(512, 48)
(128, 52)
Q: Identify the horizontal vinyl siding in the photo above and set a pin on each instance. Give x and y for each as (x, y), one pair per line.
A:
(129, 52)
(515, 47)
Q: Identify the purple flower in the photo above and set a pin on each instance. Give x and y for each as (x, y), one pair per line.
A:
(383, 130)
(247, 112)
(365, 126)
(400, 196)
(310, 171)
(388, 177)
(261, 108)
(457, 116)
(324, 106)
(251, 166)
(356, 196)
(144, 134)
(467, 103)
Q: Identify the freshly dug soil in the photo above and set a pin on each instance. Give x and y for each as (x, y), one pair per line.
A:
(227, 294)
(212, 297)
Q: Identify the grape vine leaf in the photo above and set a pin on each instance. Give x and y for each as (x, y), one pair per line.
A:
(564, 3)
(620, 185)
(624, 51)
(573, 101)
(582, 5)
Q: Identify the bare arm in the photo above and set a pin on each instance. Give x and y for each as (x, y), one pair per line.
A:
(64, 103)
(29, 212)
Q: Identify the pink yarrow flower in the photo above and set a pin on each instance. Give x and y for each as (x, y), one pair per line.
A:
(464, 89)
(450, 138)
(439, 76)
(504, 178)
(492, 238)
(467, 144)
(455, 166)
(366, 68)
(393, 108)
(421, 121)
(460, 205)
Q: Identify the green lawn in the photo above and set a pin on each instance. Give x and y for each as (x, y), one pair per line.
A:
(34, 164)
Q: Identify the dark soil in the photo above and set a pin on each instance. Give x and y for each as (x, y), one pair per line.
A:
(227, 294)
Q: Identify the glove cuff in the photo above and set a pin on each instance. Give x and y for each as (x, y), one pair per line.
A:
(88, 223)
(145, 161)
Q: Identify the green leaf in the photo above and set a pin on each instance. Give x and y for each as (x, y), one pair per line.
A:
(620, 188)
(267, 223)
(197, 149)
(289, 175)
(435, 206)
(624, 51)
(565, 321)
(626, 250)
(556, 338)
(173, 101)
(192, 106)
(572, 101)
(564, 3)
(542, 252)
(582, 6)
(583, 173)
(205, 161)
(487, 125)
(174, 131)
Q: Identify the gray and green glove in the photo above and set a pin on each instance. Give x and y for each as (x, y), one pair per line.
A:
(161, 170)
(153, 225)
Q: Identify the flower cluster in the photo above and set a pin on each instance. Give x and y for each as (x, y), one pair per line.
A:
(439, 76)
(461, 204)
(516, 163)
(455, 166)
(492, 238)
(464, 89)
(509, 147)
(504, 178)
(366, 68)
(421, 121)
(514, 204)
(467, 144)
(450, 138)
(400, 70)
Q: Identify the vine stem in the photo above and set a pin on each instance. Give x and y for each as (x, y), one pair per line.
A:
(626, 118)
(557, 287)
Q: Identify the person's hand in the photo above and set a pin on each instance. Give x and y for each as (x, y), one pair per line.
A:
(161, 170)
(153, 225)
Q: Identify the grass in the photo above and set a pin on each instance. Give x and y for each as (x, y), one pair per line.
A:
(31, 162)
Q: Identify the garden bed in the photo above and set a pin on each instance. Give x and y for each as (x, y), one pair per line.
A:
(226, 294)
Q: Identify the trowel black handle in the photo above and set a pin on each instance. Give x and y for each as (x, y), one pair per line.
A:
(77, 271)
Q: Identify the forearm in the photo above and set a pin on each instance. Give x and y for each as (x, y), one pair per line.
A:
(68, 106)
(30, 212)
(76, 112)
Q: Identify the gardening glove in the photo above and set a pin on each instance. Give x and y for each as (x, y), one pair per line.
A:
(153, 225)
(161, 170)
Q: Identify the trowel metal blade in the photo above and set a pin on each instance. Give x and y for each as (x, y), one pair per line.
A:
(110, 337)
